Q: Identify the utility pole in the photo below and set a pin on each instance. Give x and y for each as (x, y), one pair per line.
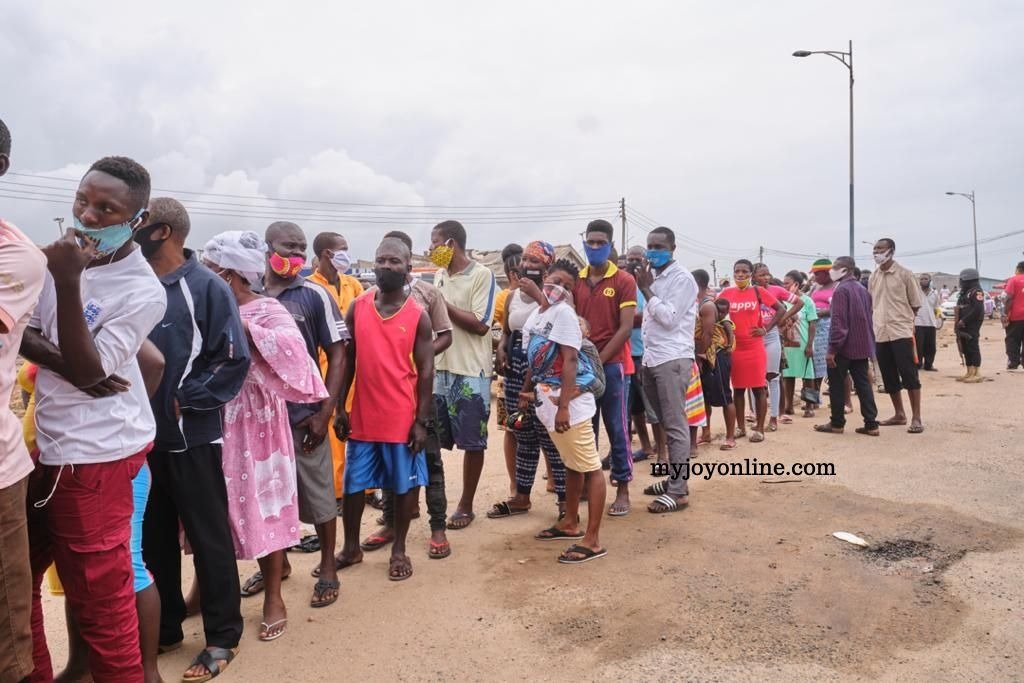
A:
(60, 225)
(760, 254)
(714, 273)
(622, 214)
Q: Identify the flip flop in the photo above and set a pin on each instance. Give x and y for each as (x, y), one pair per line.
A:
(756, 437)
(266, 636)
(308, 544)
(786, 420)
(443, 550)
(209, 658)
(460, 520)
(668, 503)
(892, 422)
(399, 577)
(503, 509)
(827, 428)
(555, 534)
(327, 591)
(727, 446)
(612, 512)
(915, 429)
(254, 585)
(639, 455)
(375, 541)
(587, 553)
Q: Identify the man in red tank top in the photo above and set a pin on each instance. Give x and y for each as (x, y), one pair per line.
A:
(391, 361)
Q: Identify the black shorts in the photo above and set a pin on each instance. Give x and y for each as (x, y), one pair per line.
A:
(897, 364)
(715, 382)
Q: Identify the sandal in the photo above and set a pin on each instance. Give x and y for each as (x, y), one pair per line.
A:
(308, 544)
(756, 437)
(555, 534)
(324, 593)
(339, 564)
(866, 431)
(786, 420)
(655, 489)
(614, 511)
(667, 503)
(273, 631)
(827, 428)
(209, 659)
(587, 553)
(376, 501)
(460, 520)
(915, 429)
(727, 446)
(376, 541)
(439, 551)
(254, 586)
(402, 561)
(503, 509)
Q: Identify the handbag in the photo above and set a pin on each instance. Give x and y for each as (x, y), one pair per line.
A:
(810, 394)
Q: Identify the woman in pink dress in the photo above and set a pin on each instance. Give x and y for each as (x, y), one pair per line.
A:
(259, 457)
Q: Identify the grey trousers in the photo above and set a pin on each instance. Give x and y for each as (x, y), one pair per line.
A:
(665, 386)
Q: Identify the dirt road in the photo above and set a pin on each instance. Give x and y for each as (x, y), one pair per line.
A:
(747, 584)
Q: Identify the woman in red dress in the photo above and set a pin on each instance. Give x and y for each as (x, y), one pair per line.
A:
(749, 362)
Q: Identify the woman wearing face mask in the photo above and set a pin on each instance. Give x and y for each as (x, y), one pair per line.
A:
(258, 453)
(749, 361)
(799, 359)
(821, 295)
(772, 338)
(530, 436)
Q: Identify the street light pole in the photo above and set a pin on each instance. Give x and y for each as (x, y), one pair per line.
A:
(847, 59)
(974, 222)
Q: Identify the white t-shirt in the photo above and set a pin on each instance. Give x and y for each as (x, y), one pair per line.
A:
(122, 302)
(558, 324)
(518, 310)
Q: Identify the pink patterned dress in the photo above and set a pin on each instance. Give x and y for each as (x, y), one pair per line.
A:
(259, 460)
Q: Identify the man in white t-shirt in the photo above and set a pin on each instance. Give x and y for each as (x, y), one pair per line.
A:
(565, 406)
(22, 268)
(94, 422)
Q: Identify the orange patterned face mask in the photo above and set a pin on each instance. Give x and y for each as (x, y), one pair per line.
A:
(286, 267)
(441, 255)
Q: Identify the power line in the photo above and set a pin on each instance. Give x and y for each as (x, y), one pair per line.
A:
(337, 203)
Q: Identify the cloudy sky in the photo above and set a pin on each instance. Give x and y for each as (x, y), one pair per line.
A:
(364, 117)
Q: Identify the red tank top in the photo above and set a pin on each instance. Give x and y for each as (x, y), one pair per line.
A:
(384, 402)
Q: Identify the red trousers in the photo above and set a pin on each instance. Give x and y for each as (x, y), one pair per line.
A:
(85, 529)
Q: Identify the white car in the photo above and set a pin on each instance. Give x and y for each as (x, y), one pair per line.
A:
(949, 306)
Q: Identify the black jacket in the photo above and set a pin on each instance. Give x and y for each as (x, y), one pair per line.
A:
(206, 357)
(971, 305)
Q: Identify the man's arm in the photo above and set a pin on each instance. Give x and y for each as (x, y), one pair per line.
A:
(840, 320)
(913, 291)
(621, 335)
(151, 364)
(442, 341)
(423, 355)
(708, 317)
(341, 424)
(477, 320)
(225, 356)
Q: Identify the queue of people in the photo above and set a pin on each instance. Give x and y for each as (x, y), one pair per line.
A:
(210, 405)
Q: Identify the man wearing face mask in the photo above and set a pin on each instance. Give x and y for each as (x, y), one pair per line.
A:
(925, 324)
(207, 358)
(462, 388)
(333, 261)
(391, 361)
(851, 344)
(670, 319)
(896, 298)
(606, 298)
(323, 328)
(93, 416)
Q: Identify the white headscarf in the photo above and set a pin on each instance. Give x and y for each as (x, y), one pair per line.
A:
(240, 250)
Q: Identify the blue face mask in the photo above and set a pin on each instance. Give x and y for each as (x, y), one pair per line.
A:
(659, 258)
(598, 256)
(110, 238)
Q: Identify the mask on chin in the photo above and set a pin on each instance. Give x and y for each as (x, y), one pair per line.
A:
(108, 239)
(286, 267)
(743, 283)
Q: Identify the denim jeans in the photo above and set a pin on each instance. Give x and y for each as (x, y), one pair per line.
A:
(613, 409)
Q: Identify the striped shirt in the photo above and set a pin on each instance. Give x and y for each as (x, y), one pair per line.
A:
(851, 334)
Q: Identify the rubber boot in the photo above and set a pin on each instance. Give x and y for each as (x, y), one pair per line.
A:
(967, 374)
(975, 378)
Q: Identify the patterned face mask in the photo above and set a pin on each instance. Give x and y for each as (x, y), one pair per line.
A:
(286, 267)
(555, 293)
(441, 255)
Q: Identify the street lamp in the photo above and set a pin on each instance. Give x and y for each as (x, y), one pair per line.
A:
(847, 59)
(974, 219)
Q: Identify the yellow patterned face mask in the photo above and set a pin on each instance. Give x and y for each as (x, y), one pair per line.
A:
(441, 255)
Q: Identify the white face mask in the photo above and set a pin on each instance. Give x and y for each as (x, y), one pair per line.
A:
(341, 261)
(837, 274)
(883, 258)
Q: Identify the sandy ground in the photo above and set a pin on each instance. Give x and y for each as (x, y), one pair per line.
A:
(746, 584)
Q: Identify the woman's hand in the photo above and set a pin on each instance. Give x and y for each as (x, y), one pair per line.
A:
(758, 332)
(562, 419)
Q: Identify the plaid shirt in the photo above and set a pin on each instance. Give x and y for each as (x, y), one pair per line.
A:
(851, 335)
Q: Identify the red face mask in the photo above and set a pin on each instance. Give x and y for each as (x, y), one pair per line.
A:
(286, 267)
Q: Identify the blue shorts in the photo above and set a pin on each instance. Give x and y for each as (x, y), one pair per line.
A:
(463, 409)
(390, 466)
(140, 494)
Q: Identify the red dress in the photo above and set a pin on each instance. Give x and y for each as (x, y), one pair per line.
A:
(749, 363)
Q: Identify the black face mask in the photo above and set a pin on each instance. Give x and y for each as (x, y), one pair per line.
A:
(149, 247)
(535, 275)
(389, 280)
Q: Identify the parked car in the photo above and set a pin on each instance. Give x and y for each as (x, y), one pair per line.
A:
(949, 306)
